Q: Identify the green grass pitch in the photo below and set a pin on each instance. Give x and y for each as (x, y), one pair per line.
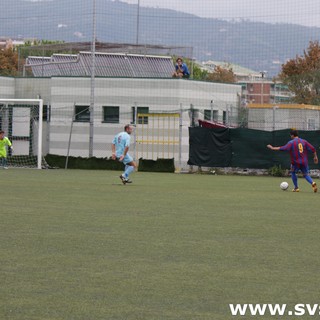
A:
(79, 245)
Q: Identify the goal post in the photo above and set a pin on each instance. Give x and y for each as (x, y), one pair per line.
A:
(22, 121)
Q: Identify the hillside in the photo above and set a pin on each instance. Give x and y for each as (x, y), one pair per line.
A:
(259, 46)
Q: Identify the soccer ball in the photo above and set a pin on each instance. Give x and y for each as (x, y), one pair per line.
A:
(284, 185)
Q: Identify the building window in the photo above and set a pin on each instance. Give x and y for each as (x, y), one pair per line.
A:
(141, 119)
(34, 111)
(45, 113)
(82, 113)
(224, 117)
(111, 114)
(207, 115)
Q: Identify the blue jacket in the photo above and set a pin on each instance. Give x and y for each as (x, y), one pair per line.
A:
(184, 69)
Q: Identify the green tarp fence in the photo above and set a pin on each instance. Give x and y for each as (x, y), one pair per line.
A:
(243, 148)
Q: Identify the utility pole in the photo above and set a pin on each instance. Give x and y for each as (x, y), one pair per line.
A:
(138, 20)
(263, 73)
(92, 81)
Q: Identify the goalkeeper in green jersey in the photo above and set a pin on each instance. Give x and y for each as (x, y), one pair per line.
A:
(4, 142)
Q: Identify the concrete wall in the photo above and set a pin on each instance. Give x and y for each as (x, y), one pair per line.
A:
(7, 88)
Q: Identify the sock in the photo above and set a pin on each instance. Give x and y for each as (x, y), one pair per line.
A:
(128, 170)
(125, 169)
(294, 179)
(308, 178)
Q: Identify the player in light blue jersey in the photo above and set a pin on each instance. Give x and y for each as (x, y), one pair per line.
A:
(120, 147)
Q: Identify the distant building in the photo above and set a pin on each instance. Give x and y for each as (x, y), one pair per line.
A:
(264, 91)
(256, 87)
(240, 72)
(6, 43)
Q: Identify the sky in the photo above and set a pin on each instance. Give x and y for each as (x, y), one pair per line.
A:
(303, 12)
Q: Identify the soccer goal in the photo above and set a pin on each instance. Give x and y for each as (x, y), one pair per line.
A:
(22, 122)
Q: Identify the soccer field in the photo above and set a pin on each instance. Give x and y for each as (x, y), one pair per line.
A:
(80, 245)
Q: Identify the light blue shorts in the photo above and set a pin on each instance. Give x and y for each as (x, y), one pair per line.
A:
(127, 159)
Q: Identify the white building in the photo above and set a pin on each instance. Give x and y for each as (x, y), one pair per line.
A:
(68, 100)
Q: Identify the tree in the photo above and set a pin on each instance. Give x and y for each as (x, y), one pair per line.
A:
(9, 57)
(198, 73)
(302, 75)
(8, 62)
(220, 74)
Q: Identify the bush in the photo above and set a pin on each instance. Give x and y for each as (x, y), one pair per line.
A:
(161, 165)
(277, 171)
(92, 163)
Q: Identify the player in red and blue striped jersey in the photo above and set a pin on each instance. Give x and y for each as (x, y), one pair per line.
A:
(298, 149)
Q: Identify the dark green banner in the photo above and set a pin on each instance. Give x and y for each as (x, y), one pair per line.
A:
(243, 148)
(209, 147)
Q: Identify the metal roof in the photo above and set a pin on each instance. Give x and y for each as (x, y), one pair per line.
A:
(106, 65)
(238, 70)
(39, 66)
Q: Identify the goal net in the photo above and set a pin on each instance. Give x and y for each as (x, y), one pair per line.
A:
(22, 122)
